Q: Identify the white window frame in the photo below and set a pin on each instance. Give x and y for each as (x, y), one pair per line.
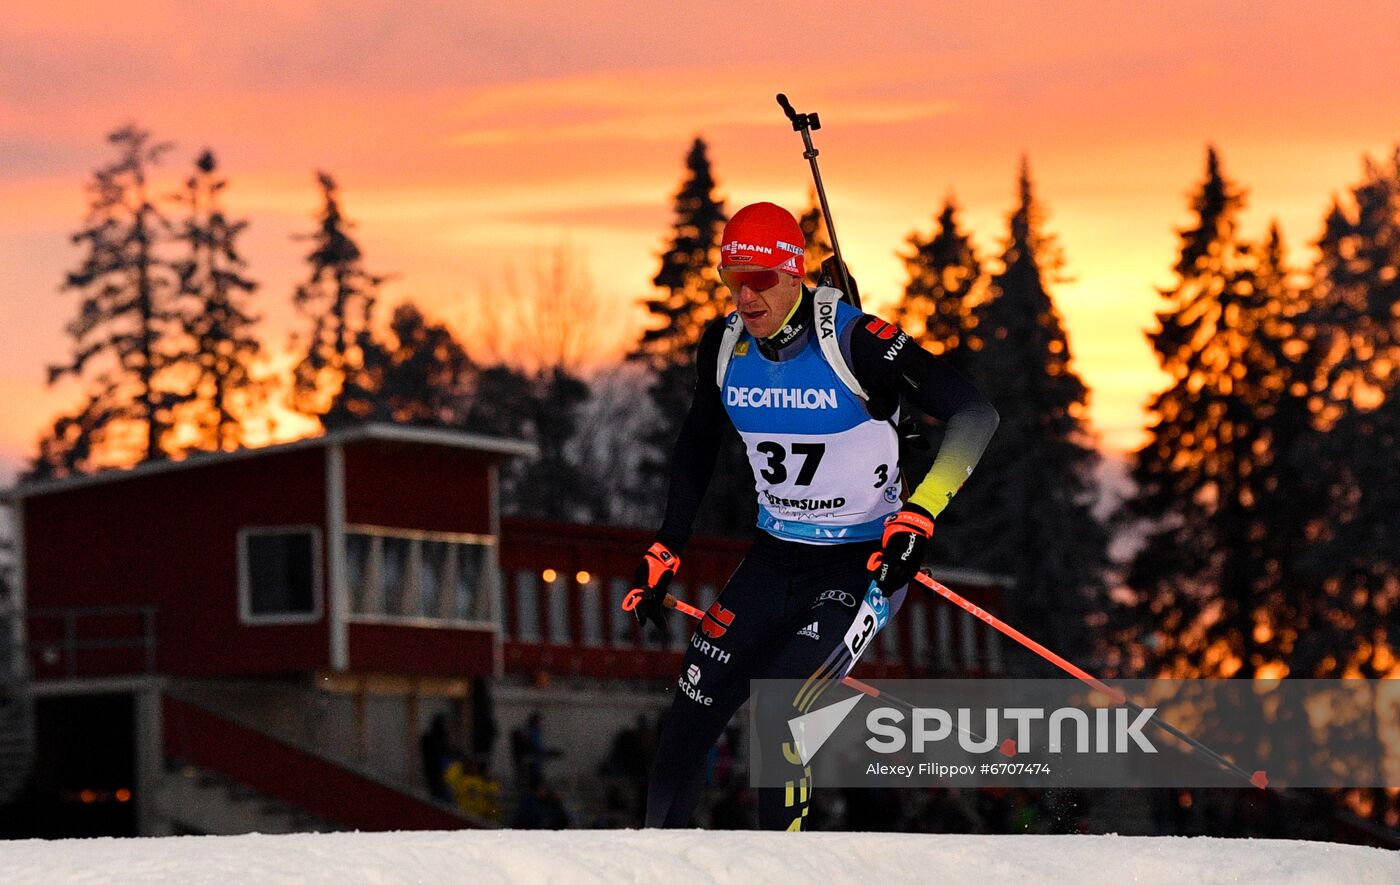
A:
(486, 613)
(245, 590)
(592, 596)
(538, 630)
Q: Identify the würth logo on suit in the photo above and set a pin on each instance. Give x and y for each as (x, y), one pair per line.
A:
(717, 621)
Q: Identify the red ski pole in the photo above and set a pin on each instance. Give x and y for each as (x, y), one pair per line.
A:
(982, 614)
(1259, 778)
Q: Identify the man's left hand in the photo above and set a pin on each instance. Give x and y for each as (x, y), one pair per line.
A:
(902, 548)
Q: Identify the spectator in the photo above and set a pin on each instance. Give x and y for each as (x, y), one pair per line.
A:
(438, 753)
(484, 729)
(528, 752)
(475, 793)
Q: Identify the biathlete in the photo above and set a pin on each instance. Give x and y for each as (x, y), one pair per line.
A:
(813, 386)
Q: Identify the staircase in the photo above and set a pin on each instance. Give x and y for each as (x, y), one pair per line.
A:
(197, 800)
(16, 740)
(224, 762)
(16, 711)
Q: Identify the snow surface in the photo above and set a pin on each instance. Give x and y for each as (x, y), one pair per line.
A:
(653, 857)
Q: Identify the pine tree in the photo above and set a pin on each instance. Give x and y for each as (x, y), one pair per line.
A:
(945, 284)
(124, 324)
(1218, 485)
(545, 408)
(333, 379)
(502, 407)
(1354, 331)
(688, 278)
(217, 323)
(691, 296)
(425, 377)
(552, 486)
(1028, 512)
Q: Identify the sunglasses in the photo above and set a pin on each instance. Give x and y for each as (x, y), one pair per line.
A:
(757, 280)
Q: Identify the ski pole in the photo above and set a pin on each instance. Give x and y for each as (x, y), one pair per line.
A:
(805, 123)
(1259, 778)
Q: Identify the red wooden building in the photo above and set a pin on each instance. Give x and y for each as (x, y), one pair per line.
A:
(361, 564)
(281, 623)
(292, 558)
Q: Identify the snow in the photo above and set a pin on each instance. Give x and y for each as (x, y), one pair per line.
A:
(654, 856)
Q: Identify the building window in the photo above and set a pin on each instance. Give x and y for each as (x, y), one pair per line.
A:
(558, 590)
(404, 575)
(527, 607)
(592, 600)
(432, 578)
(470, 602)
(279, 574)
(393, 574)
(359, 558)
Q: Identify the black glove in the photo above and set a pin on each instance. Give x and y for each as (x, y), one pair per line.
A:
(902, 548)
(653, 576)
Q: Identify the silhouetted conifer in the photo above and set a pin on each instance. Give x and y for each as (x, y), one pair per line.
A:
(1028, 513)
(1217, 482)
(122, 333)
(1354, 329)
(330, 381)
(424, 376)
(221, 346)
(690, 297)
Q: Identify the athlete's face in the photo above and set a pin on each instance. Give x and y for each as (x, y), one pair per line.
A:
(764, 297)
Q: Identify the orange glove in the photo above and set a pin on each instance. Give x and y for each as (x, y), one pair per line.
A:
(653, 576)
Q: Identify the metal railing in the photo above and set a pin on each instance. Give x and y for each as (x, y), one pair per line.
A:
(66, 650)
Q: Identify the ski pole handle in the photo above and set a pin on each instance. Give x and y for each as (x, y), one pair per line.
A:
(787, 107)
(634, 597)
(800, 122)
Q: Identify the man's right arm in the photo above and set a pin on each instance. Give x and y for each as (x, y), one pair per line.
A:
(697, 447)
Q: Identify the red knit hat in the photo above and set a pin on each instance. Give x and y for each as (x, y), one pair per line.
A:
(766, 235)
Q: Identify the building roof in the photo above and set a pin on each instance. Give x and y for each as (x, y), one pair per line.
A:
(399, 433)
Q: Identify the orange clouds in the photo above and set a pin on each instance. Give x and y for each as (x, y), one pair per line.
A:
(467, 139)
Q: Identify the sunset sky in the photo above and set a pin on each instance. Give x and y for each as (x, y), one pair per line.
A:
(470, 137)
